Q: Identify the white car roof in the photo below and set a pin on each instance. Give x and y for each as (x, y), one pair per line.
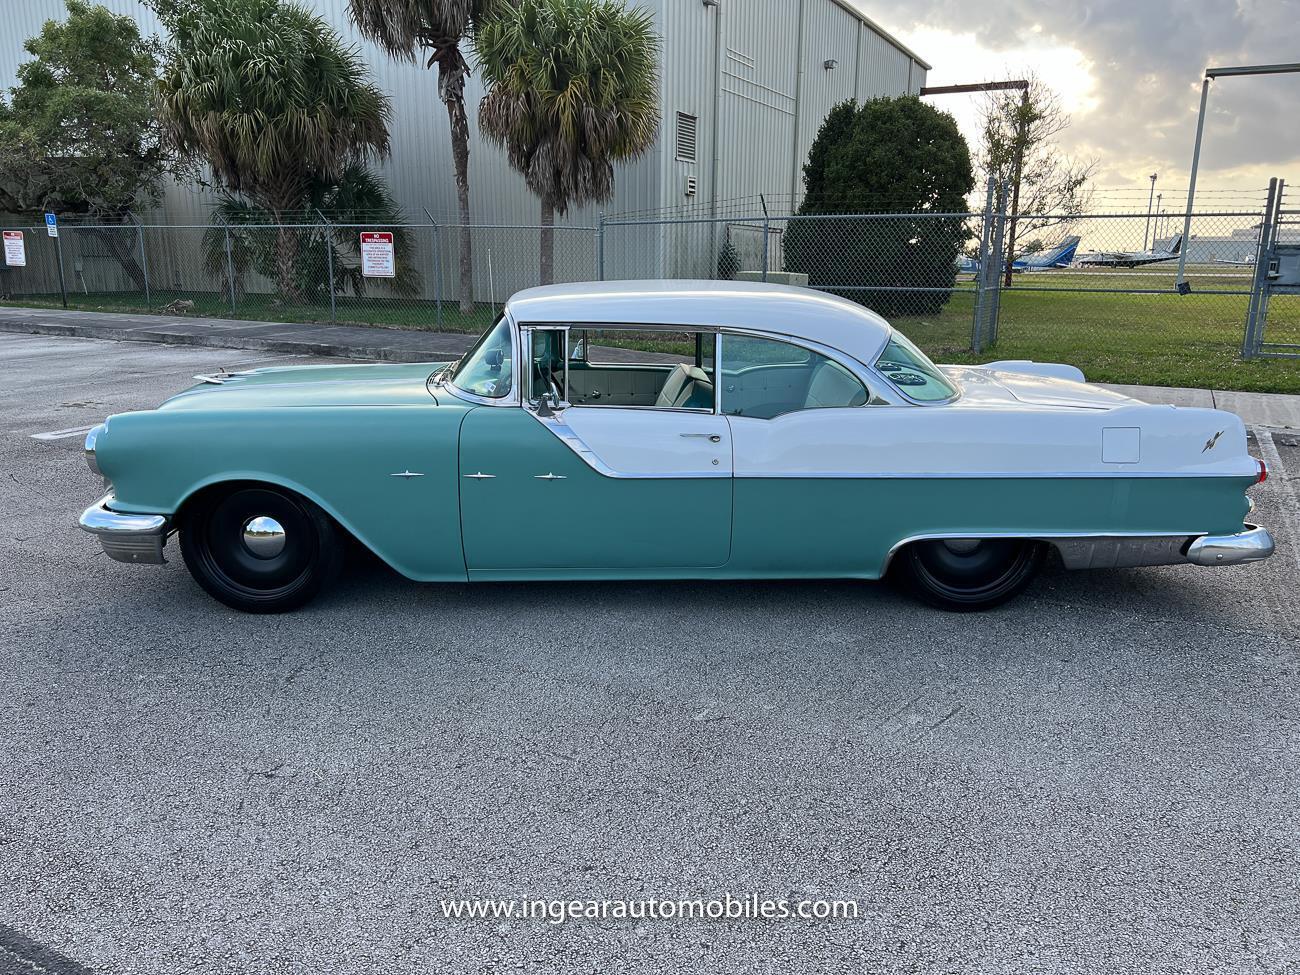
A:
(779, 309)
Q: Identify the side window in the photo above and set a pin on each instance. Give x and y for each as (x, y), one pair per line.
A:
(641, 366)
(764, 378)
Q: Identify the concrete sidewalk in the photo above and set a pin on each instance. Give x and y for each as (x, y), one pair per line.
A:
(351, 341)
(418, 345)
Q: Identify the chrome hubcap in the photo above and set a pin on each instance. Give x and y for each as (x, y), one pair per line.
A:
(264, 536)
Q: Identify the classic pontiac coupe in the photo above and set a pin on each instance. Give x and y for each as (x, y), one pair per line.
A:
(773, 433)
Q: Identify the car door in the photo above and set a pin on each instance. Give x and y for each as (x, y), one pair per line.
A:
(592, 491)
(795, 417)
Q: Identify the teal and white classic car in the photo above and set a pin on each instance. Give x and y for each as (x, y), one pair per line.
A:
(769, 432)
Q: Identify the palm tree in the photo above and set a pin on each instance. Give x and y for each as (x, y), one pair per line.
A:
(267, 95)
(572, 88)
(403, 27)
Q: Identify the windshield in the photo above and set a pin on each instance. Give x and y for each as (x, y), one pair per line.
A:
(908, 368)
(488, 368)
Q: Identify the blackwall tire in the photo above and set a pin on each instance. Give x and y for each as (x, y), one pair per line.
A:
(260, 549)
(965, 575)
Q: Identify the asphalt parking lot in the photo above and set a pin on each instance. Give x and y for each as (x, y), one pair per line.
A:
(1100, 777)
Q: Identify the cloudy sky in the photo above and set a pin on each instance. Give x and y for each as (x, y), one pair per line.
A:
(1129, 71)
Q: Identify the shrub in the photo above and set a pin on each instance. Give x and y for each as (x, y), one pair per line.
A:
(901, 161)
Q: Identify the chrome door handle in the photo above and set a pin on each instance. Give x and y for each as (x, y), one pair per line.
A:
(550, 477)
(480, 476)
(710, 437)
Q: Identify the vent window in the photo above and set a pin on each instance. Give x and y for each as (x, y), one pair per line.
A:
(686, 129)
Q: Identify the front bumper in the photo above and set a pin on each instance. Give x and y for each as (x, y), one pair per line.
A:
(1252, 545)
(126, 537)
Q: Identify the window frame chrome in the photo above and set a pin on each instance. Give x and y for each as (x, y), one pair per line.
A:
(877, 384)
(512, 398)
(859, 370)
(569, 327)
(910, 400)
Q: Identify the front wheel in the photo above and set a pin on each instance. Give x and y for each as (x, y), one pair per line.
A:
(260, 549)
(965, 574)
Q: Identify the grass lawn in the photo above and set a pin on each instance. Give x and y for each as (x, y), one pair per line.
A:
(1122, 337)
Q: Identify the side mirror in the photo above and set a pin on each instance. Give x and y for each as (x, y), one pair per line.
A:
(547, 404)
(494, 358)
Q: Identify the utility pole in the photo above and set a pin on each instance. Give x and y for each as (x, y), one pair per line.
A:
(1150, 199)
(1022, 137)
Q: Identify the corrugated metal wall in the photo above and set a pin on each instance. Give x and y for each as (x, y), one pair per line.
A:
(742, 55)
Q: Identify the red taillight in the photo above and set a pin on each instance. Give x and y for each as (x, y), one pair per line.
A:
(1263, 472)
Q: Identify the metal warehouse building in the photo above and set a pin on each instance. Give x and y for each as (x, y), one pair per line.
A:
(745, 85)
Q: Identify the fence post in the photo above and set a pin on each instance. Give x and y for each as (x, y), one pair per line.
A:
(1251, 339)
(600, 246)
(329, 260)
(763, 201)
(230, 271)
(981, 271)
(437, 271)
(144, 260)
(63, 286)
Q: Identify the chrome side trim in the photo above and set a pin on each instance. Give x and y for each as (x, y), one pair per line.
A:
(566, 434)
(126, 537)
(1076, 548)
(1126, 550)
(1027, 475)
(480, 476)
(1121, 552)
(1253, 545)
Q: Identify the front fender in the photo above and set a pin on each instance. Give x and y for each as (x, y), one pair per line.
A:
(342, 458)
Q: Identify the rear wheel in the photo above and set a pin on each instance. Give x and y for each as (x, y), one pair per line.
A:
(260, 549)
(965, 574)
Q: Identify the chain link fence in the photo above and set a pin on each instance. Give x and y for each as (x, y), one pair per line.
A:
(1127, 296)
(290, 272)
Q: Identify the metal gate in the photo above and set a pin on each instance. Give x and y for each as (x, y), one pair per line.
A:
(1276, 284)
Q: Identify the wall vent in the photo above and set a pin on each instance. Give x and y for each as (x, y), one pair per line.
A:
(686, 129)
(690, 185)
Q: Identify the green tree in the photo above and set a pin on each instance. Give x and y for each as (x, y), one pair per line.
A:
(271, 100)
(434, 29)
(78, 133)
(886, 156)
(1019, 149)
(572, 88)
(325, 252)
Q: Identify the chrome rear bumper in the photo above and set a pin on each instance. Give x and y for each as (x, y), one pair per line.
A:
(126, 537)
(1252, 545)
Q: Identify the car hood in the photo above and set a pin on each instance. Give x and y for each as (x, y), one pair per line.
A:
(982, 386)
(377, 384)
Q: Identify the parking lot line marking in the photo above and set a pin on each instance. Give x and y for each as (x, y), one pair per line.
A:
(63, 434)
(1277, 475)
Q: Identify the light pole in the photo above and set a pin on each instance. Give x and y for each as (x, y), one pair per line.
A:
(1150, 199)
(1211, 73)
